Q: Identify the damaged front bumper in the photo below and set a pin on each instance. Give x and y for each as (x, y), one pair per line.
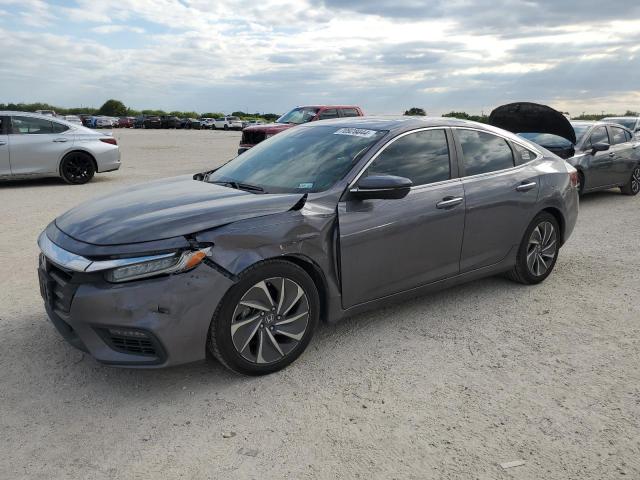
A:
(154, 322)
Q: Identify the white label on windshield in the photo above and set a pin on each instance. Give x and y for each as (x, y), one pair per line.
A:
(356, 132)
(305, 185)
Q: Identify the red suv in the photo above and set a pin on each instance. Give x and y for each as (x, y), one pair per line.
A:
(253, 135)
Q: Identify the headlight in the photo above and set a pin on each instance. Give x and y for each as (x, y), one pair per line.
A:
(161, 266)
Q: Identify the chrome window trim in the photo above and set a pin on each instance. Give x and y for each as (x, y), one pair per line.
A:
(78, 263)
(384, 147)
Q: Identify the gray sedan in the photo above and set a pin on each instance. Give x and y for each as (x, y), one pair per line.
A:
(33, 145)
(606, 154)
(318, 223)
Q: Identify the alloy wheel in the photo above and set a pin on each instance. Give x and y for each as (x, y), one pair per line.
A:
(542, 248)
(77, 168)
(270, 320)
(635, 180)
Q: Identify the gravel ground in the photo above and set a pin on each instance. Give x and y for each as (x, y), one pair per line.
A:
(444, 386)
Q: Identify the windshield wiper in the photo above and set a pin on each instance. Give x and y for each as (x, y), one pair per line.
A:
(238, 185)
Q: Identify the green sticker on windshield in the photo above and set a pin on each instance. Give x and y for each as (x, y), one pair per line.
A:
(305, 185)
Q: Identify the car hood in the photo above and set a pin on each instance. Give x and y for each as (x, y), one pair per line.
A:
(166, 209)
(525, 117)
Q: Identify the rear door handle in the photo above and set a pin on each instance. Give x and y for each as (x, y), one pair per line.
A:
(525, 187)
(2, 142)
(61, 140)
(449, 202)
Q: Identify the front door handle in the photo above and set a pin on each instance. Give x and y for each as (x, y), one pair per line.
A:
(2, 142)
(449, 202)
(61, 140)
(612, 154)
(525, 187)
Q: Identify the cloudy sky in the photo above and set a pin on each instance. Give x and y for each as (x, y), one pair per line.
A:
(268, 55)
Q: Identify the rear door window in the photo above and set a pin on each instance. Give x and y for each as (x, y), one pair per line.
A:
(599, 135)
(422, 157)
(349, 112)
(329, 113)
(618, 136)
(30, 126)
(484, 152)
(58, 127)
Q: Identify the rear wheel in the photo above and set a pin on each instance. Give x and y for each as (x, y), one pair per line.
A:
(632, 187)
(538, 251)
(77, 168)
(226, 127)
(266, 320)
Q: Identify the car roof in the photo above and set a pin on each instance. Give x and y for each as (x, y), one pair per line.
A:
(620, 118)
(327, 106)
(399, 123)
(8, 113)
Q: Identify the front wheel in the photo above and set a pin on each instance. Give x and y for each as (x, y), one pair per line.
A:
(538, 251)
(77, 168)
(266, 320)
(632, 187)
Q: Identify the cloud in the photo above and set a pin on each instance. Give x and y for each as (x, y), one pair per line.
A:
(107, 29)
(270, 55)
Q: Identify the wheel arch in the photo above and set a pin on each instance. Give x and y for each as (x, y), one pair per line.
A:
(78, 150)
(317, 276)
(557, 214)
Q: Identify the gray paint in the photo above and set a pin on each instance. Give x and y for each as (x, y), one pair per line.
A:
(361, 253)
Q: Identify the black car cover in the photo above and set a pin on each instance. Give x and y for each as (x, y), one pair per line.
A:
(526, 117)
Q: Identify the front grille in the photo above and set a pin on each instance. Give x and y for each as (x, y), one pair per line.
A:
(252, 138)
(57, 286)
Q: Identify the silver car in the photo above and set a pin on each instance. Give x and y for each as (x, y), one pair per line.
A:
(317, 223)
(33, 145)
(632, 123)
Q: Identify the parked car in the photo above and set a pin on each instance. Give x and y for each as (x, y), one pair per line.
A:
(632, 123)
(191, 123)
(605, 154)
(101, 122)
(227, 123)
(152, 121)
(126, 122)
(169, 121)
(318, 223)
(253, 135)
(48, 113)
(139, 121)
(34, 146)
(207, 123)
(75, 119)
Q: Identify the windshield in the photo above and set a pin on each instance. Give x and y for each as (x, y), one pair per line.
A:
(308, 159)
(625, 122)
(299, 115)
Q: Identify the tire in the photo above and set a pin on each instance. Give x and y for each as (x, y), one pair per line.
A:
(263, 340)
(77, 168)
(632, 187)
(539, 255)
(226, 127)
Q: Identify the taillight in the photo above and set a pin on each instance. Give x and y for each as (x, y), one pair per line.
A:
(575, 179)
(110, 140)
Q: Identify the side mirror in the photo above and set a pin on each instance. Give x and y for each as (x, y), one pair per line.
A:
(387, 187)
(600, 147)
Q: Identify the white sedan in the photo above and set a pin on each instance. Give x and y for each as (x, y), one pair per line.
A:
(33, 145)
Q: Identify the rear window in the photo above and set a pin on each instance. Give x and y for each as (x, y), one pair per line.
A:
(484, 152)
(523, 155)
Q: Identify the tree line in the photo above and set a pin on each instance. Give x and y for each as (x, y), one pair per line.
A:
(115, 108)
(485, 118)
